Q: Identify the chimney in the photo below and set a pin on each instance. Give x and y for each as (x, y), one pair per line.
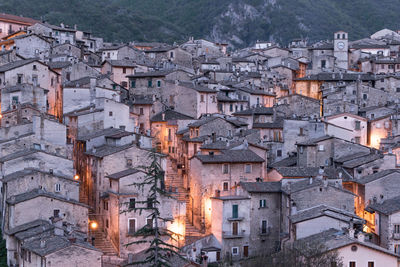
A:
(310, 180)
(163, 116)
(361, 237)
(352, 232)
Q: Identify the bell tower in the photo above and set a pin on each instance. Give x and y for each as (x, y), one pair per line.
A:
(341, 50)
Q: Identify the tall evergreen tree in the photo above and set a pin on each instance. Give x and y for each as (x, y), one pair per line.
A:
(159, 250)
(3, 251)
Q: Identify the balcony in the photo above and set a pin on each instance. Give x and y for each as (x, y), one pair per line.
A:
(396, 236)
(231, 235)
(233, 219)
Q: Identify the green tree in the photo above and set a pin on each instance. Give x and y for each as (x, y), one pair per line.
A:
(159, 251)
(3, 251)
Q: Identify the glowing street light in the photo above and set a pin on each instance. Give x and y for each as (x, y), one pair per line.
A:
(93, 225)
(76, 177)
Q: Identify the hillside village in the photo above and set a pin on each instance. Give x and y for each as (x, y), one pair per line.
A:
(260, 147)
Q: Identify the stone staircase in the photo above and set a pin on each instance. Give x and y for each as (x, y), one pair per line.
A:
(192, 234)
(100, 239)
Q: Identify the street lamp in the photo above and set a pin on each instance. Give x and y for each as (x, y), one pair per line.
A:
(76, 177)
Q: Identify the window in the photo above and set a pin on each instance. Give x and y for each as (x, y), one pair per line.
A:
(371, 264)
(105, 205)
(398, 90)
(56, 213)
(19, 78)
(225, 168)
(107, 223)
(358, 125)
(235, 228)
(34, 67)
(171, 54)
(133, 83)
(323, 64)
(231, 107)
(235, 209)
(110, 113)
(279, 153)
(149, 83)
(352, 264)
(235, 251)
(124, 84)
(264, 225)
(321, 148)
(158, 83)
(354, 92)
(131, 226)
(123, 70)
(57, 187)
(201, 98)
(263, 203)
(397, 249)
(301, 131)
(357, 140)
(365, 96)
(247, 168)
(396, 229)
(141, 111)
(225, 186)
(197, 132)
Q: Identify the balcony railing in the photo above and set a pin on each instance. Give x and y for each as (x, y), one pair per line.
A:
(236, 219)
(396, 236)
(231, 235)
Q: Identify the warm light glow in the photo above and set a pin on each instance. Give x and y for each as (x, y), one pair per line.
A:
(93, 225)
(376, 140)
(76, 177)
(177, 227)
(1, 116)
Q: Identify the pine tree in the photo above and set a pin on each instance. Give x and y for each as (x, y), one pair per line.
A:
(3, 252)
(159, 251)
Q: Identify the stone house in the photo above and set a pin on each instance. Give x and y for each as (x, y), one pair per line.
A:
(154, 82)
(321, 218)
(352, 251)
(23, 181)
(117, 52)
(118, 70)
(100, 116)
(32, 46)
(27, 72)
(268, 215)
(13, 97)
(33, 134)
(56, 251)
(305, 194)
(258, 114)
(222, 171)
(83, 92)
(121, 222)
(357, 127)
(62, 34)
(189, 98)
(43, 159)
(231, 224)
(66, 49)
(11, 23)
(21, 209)
(298, 105)
(373, 189)
(387, 223)
(164, 126)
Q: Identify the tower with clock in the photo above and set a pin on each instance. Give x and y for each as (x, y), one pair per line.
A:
(341, 49)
